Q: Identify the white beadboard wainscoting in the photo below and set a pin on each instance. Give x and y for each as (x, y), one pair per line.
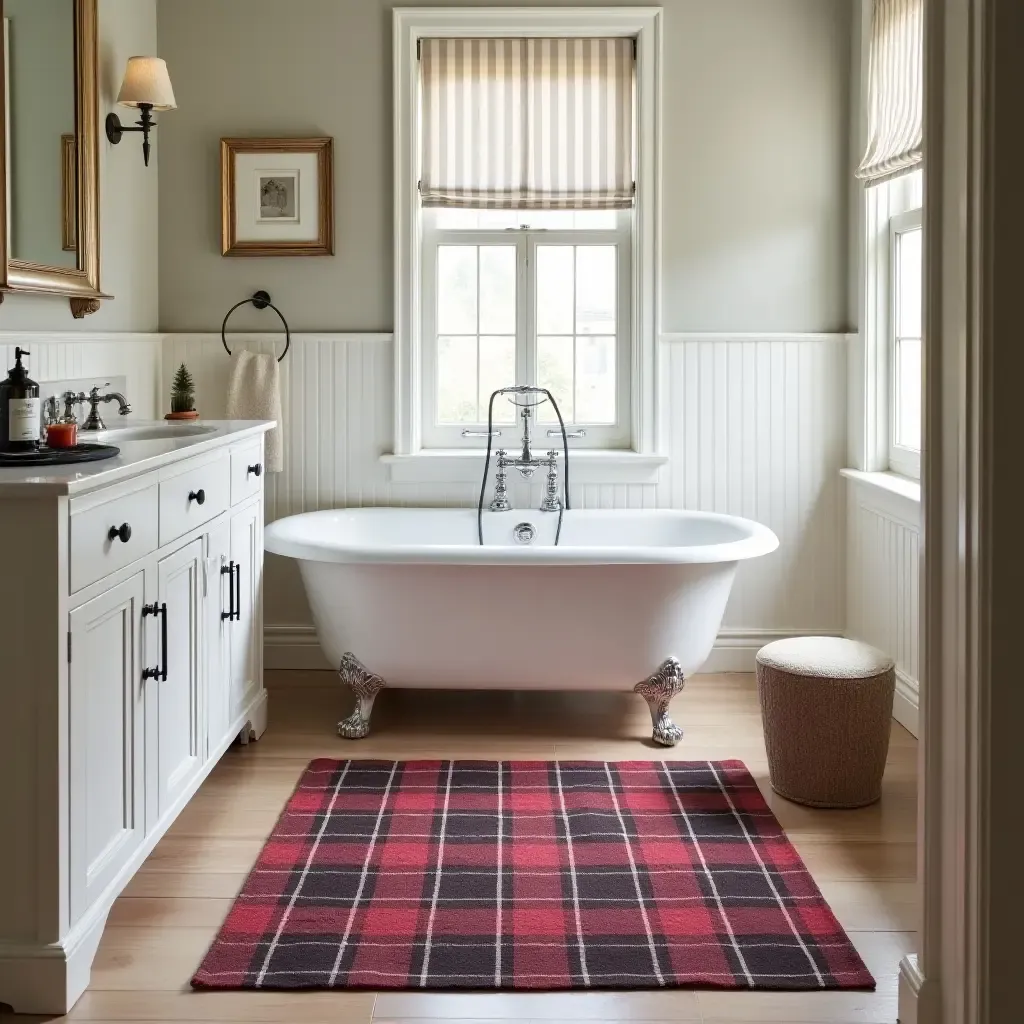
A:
(753, 425)
(73, 356)
(883, 596)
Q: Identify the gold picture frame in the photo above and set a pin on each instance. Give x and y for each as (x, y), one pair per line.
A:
(277, 197)
(69, 206)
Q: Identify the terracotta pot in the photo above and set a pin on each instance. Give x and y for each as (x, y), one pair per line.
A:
(190, 415)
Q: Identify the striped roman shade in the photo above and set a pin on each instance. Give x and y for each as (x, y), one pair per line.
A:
(527, 123)
(895, 90)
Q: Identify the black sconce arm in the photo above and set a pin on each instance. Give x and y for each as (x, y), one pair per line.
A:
(115, 130)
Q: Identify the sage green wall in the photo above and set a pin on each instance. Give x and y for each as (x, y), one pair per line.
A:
(128, 200)
(755, 159)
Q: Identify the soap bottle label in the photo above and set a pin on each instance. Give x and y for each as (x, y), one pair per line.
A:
(23, 419)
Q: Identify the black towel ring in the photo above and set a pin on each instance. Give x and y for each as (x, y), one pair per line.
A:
(261, 300)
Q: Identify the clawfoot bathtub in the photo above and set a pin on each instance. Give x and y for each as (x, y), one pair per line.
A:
(405, 597)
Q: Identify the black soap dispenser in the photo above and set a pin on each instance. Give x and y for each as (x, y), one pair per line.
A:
(20, 409)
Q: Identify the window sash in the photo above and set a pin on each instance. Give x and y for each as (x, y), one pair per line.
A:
(526, 241)
(902, 459)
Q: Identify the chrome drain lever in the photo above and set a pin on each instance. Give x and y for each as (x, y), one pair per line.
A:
(524, 533)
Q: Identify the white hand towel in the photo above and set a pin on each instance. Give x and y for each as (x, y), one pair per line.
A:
(254, 393)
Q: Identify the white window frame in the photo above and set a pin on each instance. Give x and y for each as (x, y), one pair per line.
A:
(612, 437)
(871, 425)
(902, 460)
(410, 25)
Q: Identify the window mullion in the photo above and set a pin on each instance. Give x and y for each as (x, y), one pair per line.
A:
(428, 328)
(479, 411)
(575, 329)
(526, 323)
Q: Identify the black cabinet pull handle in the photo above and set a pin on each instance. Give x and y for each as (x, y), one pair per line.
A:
(150, 673)
(158, 673)
(199, 497)
(229, 570)
(163, 642)
(238, 592)
(256, 470)
(123, 533)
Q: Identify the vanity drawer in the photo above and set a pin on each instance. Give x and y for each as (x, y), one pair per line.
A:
(104, 537)
(197, 493)
(247, 470)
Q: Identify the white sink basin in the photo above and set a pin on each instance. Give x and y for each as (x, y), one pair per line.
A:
(149, 432)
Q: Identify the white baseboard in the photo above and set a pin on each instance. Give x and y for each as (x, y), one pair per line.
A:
(292, 647)
(736, 650)
(296, 647)
(906, 704)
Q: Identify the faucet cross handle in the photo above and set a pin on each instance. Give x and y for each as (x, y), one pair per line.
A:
(71, 400)
(501, 502)
(551, 502)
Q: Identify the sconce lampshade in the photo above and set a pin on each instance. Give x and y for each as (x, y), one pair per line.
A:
(146, 81)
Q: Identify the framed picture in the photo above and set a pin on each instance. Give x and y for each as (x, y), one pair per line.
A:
(277, 197)
(68, 192)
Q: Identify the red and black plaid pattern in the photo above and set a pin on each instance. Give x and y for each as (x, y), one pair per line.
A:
(529, 875)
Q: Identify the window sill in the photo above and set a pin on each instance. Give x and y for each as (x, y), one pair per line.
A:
(586, 466)
(899, 495)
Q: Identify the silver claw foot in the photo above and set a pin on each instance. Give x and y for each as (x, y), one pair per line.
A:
(658, 690)
(365, 685)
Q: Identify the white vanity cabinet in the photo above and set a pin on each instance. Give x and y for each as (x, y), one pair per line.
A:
(106, 741)
(246, 639)
(174, 694)
(130, 659)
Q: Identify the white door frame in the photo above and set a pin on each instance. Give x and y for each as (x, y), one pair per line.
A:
(972, 697)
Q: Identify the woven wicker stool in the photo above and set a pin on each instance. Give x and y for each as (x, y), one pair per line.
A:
(826, 704)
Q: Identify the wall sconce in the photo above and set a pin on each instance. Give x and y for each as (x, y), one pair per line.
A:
(146, 86)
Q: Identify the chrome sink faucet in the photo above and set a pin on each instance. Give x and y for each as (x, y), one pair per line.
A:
(94, 421)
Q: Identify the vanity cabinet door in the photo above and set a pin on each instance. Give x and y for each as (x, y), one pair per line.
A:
(246, 641)
(174, 713)
(219, 602)
(106, 726)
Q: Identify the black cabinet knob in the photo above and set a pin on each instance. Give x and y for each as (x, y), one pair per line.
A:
(123, 533)
(256, 470)
(199, 497)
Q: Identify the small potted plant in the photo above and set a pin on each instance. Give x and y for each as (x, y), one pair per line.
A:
(183, 396)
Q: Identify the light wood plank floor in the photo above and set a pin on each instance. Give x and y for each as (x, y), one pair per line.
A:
(159, 929)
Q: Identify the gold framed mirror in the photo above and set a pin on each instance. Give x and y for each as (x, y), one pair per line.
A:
(49, 157)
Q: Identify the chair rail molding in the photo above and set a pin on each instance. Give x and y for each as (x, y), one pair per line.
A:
(80, 337)
(694, 337)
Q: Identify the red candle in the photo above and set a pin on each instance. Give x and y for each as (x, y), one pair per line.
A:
(62, 435)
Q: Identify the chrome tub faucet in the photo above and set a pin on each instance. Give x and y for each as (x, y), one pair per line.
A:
(526, 462)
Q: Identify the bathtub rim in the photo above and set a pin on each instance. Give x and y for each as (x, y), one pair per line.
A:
(759, 540)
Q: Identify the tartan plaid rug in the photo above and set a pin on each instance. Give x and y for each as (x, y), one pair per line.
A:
(529, 875)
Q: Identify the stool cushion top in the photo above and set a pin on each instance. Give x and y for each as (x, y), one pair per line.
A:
(828, 657)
